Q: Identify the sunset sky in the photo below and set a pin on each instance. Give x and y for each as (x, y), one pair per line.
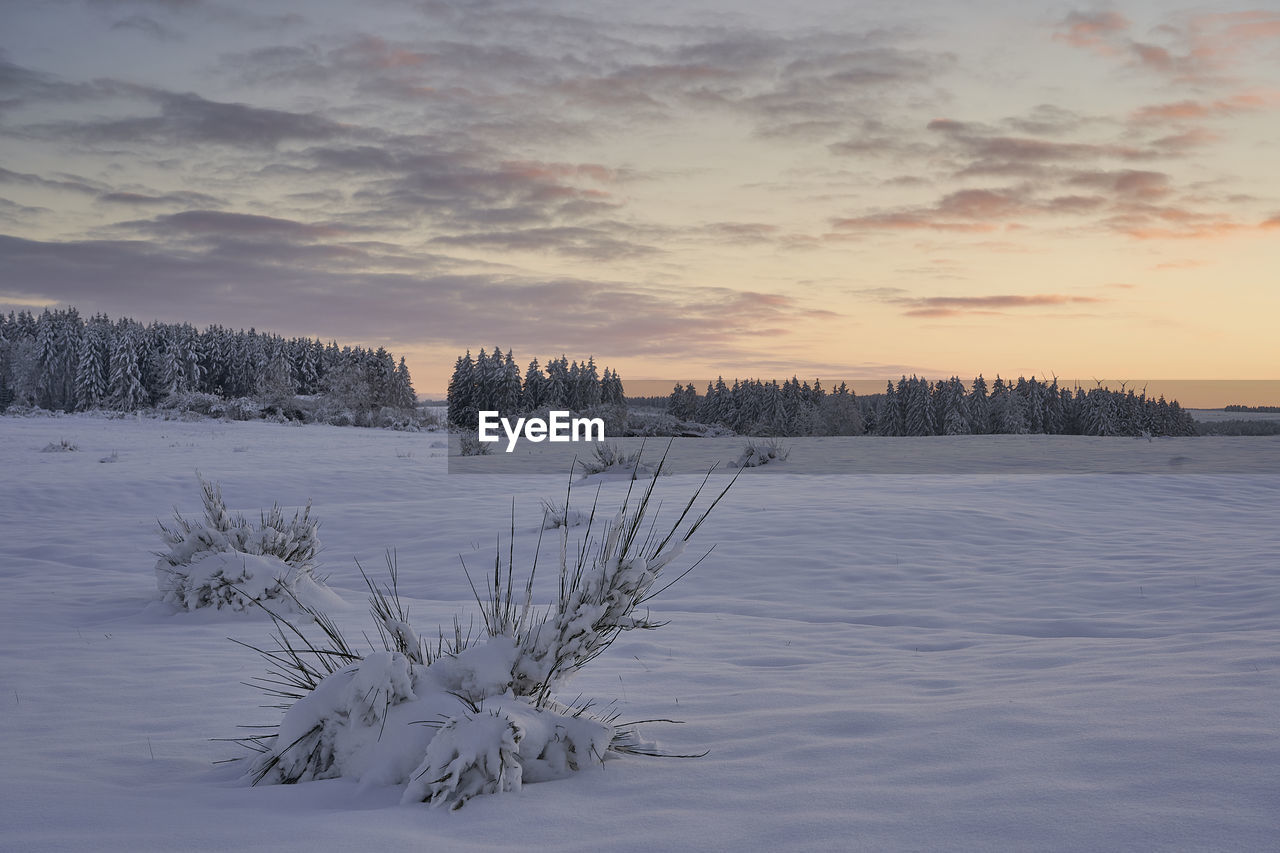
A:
(835, 189)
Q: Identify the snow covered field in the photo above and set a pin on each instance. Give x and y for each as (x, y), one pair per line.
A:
(874, 661)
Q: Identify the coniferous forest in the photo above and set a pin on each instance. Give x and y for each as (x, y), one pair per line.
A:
(61, 361)
(918, 407)
(493, 382)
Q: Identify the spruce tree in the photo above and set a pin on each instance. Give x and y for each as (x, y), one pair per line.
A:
(462, 402)
(125, 389)
(91, 366)
(403, 397)
(533, 394)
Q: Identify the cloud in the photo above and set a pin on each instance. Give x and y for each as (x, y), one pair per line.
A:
(213, 223)
(952, 306)
(1190, 110)
(1172, 223)
(188, 119)
(1095, 31)
(738, 233)
(11, 211)
(148, 26)
(289, 289)
(970, 210)
(1125, 183)
(21, 86)
(616, 72)
(1094, 181)
(1199, 49)
(182, 198)
(596, 244)
(68, 183)
(1225, 37)
(986, 151)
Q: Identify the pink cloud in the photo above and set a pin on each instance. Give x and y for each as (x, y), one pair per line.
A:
(1192, 110)
(1096, 31)
(1198, 50)
(996, 305)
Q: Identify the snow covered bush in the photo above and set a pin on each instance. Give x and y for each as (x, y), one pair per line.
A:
(469, 444)
(226, 561)
(237, 409)
(556, 515)
(457, 717)
(191, 401)
(610, 458)
(758, 453)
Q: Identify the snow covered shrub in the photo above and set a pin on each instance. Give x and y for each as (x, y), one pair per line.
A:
(390, 417)
(62, 446)
(556, 515)
(608, 457)
(469, 444)
(191, 401)
(650, 423)
(237, 409)
(763, 452)
(459, 717)
(226, 561)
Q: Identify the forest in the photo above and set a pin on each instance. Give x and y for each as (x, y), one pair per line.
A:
(918, 407)
(61, 361)
(493, 382)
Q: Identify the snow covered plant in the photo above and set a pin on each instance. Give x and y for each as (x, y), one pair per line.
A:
(560, 515)
(457, 717)
(227, 561)
(609, 457)
(469, 444)
(758, 453)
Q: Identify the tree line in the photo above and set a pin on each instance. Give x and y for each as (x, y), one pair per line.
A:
(754, 407)
(493, 382)
(919, 407)
(59, 360)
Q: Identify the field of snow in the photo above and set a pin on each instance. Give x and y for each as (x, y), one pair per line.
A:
(931, 661)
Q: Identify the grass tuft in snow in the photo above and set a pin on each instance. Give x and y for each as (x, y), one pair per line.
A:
(227, 561)
(761, 452)
(608, 457)
(62, 446)
(469, 444)
(470, 715)
(556, 515)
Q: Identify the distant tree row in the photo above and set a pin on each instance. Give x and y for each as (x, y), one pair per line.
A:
(918, 407)
(1236, 407)
(492, 382)
(59, 360)
(1239, 427)
(753, 407)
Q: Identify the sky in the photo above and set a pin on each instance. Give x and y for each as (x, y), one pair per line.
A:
(832, 189)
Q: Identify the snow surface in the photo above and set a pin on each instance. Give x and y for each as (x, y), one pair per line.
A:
(874, 661)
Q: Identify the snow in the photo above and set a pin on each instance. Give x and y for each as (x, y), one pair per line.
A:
(998, 659)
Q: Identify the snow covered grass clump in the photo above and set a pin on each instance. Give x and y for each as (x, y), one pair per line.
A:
(226, 561)
(556, 515)
(758, 453)
(62, 446)
(459, 717)
(469, 444)
(609, 458)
